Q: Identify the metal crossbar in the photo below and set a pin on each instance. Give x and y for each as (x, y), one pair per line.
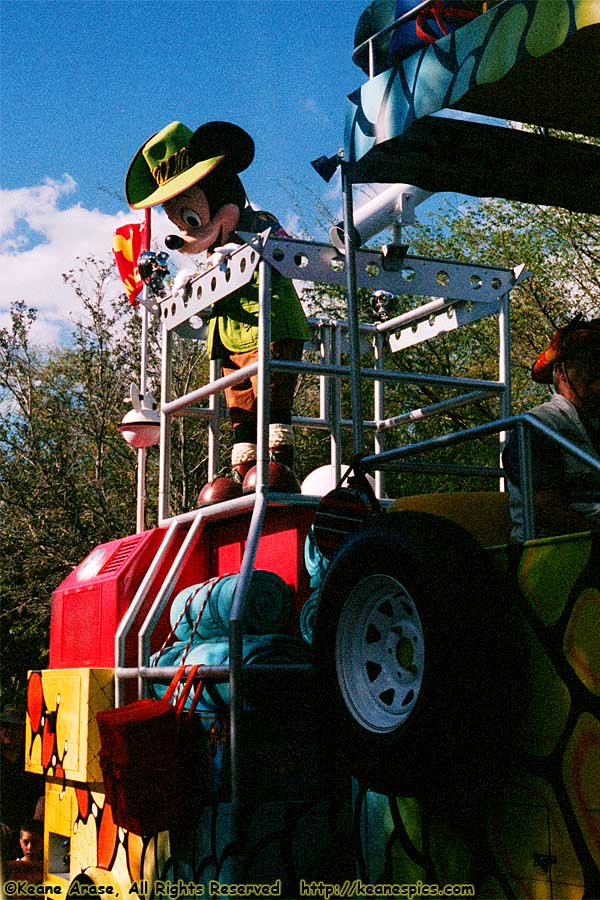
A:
(524, 424)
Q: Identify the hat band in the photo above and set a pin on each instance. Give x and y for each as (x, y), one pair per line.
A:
(172, 166)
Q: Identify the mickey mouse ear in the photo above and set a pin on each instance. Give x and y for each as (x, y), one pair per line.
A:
(223, 139)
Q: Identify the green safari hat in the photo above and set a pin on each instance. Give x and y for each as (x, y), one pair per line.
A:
(176, 157)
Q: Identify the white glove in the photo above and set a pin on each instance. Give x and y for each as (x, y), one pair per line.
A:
(181, 281)
(221, 254)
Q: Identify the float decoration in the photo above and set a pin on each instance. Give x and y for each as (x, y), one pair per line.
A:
(525, 62)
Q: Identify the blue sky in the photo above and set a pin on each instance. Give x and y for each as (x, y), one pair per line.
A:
(86, 82)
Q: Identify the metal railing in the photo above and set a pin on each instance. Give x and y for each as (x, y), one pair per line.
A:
(370, 42)
(523, 423)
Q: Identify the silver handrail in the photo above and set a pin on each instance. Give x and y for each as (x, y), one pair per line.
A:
(523, 422)
(133, 610)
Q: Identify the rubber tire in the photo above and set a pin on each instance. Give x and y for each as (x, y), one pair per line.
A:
(460, 727)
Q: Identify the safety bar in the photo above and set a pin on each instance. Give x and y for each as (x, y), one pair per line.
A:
(132, 612)
(197, 521)
(207, 390)
(227, 508)
(212, 673)
(330, 417)
(433, 409)
(522, 422)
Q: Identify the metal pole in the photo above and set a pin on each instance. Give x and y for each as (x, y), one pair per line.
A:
(264, 375)
(165, 426)
(379, 408)
(526, 481)
(214, 424)
(357, 416)
(128, 620)
(237, 616)
(141, 454)
(504, 368)
(331, 355)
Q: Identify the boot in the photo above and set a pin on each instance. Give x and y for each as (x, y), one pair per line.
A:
(281, 445)
(243, 457)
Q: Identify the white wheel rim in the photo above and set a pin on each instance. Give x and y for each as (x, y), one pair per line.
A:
(380, 653)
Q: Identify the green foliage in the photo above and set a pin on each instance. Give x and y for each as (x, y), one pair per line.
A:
(58, 457)
(559, 249)
(67, 478)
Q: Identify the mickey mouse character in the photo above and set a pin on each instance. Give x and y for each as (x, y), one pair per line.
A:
(194, 175)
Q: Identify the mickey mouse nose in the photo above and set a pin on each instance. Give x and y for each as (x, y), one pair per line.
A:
(174, 242)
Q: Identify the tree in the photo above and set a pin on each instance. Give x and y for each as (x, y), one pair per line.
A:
(65, 471)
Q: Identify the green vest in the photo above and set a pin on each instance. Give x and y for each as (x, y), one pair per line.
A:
(235, 323)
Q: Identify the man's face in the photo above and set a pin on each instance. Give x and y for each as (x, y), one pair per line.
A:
(190, 212)
(582, 374)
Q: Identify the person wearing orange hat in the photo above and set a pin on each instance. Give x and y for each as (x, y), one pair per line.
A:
(566, 489)
(194, 175)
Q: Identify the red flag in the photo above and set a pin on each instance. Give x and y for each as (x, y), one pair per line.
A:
(128, 242)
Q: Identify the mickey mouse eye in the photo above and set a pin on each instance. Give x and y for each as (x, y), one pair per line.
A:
(191, 218)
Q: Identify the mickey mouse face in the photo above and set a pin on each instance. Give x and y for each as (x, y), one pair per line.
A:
(190, 212)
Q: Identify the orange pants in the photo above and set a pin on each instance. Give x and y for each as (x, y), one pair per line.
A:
(241, 399)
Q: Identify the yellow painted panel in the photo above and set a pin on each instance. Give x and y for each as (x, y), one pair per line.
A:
(548, 571)
(99, 846)
(531, 841)
(582, 639)
(59, 815)
(62, 738)
(587, 12)
(581, 774)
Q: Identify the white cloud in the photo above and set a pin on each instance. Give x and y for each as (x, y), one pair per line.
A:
(315, 111)
(42, 234)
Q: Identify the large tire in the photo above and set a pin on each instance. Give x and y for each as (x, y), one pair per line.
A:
(414, 641)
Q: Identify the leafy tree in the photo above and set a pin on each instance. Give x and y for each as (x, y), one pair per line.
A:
(64, 470)
(67, 478)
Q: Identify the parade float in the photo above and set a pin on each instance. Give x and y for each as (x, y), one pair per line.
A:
(388, 694)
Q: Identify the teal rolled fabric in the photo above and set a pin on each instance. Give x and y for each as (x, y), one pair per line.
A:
(316, 564)
(268, 607)
(267, 649)
(307, 617)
